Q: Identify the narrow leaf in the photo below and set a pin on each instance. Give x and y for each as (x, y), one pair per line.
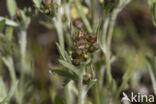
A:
(11, 93)
(69, 66)
(66, 74)
(152, 5)
(9, 22)
(61, 51)
(47, 24)
(152, 70)
(2, 24)
(37, 3)
(11, 5)
(9, 33)
(83, 16)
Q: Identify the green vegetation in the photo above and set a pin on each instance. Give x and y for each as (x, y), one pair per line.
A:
(97, 60)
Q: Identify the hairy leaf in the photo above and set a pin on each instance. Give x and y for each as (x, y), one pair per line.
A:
(61, 50)
(11, 5)
(69, 66)
(83, 16)
(37, 3)
(66, 74)
(9, 22)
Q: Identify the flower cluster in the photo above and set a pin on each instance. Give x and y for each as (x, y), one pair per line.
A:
(48, 7)
(83, 45)
(47, 4)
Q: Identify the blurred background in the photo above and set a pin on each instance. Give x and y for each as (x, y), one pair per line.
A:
(134, 31)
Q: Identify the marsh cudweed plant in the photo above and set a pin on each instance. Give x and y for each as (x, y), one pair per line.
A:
(85, 30)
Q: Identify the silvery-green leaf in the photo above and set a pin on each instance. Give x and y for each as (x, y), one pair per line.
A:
(61, 50)
(66, 74)
(83, 16)
(11, 5)
(37, 3)
(47, 24)
(9, 22)
(26, 19)
(69, 66)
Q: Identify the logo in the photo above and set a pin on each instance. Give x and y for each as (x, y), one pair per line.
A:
(137, 97)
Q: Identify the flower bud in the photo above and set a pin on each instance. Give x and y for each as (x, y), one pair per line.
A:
(86, 78)
(76, 62)
(79, 52)
(78, 23)
(79, 35)
(81, 47)
(47, 3)
(64, 18)
(47, 12)
(92, 38)
(81, 42)
(85, 57)
(18, 14)
(91, 49)
(101, 2)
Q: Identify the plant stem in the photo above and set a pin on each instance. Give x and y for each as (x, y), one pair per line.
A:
(101, 77)
(83, 16)
(108, 71)
(96, 94)
(125, 79)
(58, 24)
(23, 64)
(10, 64)
(93, 12)
(108, 50)
(82, 90)
(68, 93)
